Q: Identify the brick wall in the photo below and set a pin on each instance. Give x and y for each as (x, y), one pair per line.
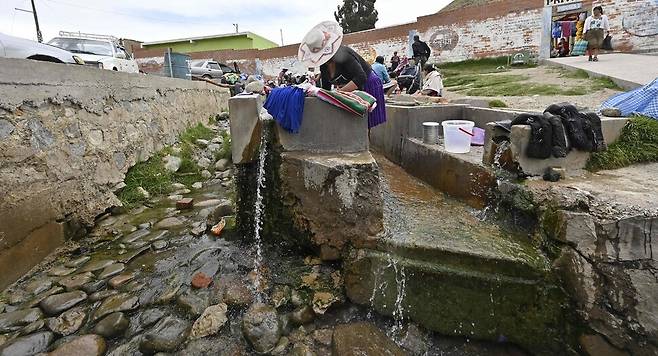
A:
(498, 28)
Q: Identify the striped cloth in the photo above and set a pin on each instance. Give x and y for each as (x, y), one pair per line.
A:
(357, 102)
(641, 101)
(579, 48)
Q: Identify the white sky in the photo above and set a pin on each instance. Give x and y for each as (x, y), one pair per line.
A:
(152, 20)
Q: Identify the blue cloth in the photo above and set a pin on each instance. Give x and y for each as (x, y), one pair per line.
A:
(286, 105)
(381, 72)
(641, 101)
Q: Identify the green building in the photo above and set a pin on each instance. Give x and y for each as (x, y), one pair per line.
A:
(241, 40)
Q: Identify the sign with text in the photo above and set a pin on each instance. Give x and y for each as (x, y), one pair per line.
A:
(559, 2)
(570, 7)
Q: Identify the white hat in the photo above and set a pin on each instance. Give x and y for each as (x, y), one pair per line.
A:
(320, 44)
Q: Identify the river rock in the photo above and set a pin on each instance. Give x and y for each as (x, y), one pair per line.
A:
(222, 165)
(261, 328)
(201, 280)
(36, 300)
(159, 245)
(55, 304)
(209, 203)
(150, 317)
(238, 294)
(136, 235)
(77, 262)
(116, 303)
(192, 303)
(197, 185)
(302, 315)
(68, 322)
(94, 286)
(363, 339)
(38, 286)
(143, 192)
(18, 319)
(169, 223)
(172, 163)
(112, 270)
(100, 295)
(76, 281)
(281, 346)
(32, 327)
(60, 271)
(167, 335)
(204, 163)
(323, 336)
(206, 174)
(121, 279)
(300, 349)
(112, 325)
(97, 265)
(202, 143)
(87, 345)
(209, 323)
(28, 345)
(225, 208)
(129, 348)
(175, 197)
(134, 254)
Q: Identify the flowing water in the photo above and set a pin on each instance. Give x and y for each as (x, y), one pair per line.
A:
(258, 223)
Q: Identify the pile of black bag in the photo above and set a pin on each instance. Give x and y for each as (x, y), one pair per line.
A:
(561, 128)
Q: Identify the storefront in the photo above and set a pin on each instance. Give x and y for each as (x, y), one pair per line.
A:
(567, 22)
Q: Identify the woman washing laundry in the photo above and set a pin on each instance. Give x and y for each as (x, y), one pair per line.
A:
(433, 84)
(341, 67)
(595, 26)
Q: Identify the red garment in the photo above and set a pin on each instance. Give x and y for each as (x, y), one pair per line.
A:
(566, 28)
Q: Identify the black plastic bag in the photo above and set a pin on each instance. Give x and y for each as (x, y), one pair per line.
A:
(607, 43)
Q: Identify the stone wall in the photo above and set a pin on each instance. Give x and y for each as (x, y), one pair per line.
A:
(68, 135)
(495, 29)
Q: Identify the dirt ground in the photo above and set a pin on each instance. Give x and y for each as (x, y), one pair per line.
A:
(544, 75)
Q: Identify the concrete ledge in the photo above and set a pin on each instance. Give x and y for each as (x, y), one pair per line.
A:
(326, 128)
(246, 127)
(460, 175)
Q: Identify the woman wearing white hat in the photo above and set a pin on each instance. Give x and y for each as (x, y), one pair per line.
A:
(341, 66)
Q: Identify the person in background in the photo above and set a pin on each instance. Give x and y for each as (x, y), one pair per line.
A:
(563, 47)
(596, 27)
(380, 69)
(341, 67)
(235, 67)
(311, 76)
(421, 51)
(433, 84)
(283, 77)
(395, 61)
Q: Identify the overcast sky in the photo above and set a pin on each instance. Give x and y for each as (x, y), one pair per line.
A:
(152, 20)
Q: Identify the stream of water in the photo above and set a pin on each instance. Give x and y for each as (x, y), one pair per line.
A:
(258, 223)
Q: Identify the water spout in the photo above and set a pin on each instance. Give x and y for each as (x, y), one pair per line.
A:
(258, 217)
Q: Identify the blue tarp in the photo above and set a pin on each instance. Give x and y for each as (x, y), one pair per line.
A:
(641, 101)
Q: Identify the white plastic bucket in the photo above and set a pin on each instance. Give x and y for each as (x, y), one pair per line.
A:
(457, 135)
(431, 133)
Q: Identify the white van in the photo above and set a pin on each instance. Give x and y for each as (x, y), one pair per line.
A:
(97, 50)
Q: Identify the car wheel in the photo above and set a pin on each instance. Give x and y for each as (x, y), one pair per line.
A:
(115, 69)
(206, 76)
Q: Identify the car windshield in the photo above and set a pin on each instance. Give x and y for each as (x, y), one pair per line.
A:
(84, 46)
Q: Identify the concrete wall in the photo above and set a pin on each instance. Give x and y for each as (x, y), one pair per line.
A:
(68, 135)
(493, 29)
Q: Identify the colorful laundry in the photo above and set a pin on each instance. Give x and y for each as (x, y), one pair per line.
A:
(286, 105)
(357, 102)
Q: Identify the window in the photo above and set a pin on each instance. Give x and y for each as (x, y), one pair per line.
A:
(226, 69)
(214, 66)
(83, 46)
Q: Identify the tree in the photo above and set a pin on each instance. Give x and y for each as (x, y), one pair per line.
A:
(356, 15)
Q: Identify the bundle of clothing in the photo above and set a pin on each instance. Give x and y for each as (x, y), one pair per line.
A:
(559, 129)
(640, 101)
(286, 104)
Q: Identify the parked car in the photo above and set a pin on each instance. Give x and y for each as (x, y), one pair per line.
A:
(99, 51)
(210, 69)
(15, 47)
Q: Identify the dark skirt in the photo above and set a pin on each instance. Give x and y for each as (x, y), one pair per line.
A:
(594, 38)
(375, 88)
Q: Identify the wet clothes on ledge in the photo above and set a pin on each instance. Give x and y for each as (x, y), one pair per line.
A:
(559, 129)
(286, 105)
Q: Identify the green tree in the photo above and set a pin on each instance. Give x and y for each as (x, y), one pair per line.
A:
(356, 15)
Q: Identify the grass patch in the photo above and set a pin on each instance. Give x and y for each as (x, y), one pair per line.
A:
(497, 104)
(152, 175)
(638, 143)
(606, 82)
(576, 74)
(478, 66)
(225, 151)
